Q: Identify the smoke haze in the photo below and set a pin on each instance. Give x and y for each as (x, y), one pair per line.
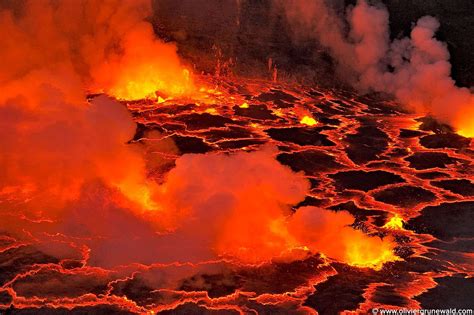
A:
(213, 206)
(416, 69)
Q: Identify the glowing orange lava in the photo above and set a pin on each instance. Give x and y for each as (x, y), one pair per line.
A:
(146, 66)
(309, 121)
(145, 82)
(467, 130)
(464, 117)
(395, 223)
(371, 253)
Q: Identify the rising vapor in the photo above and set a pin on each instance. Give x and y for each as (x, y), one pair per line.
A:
(416, 69)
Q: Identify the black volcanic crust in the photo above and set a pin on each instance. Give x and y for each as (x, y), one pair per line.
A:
(427, 160)
(432, 175)
(5, 298)
(462, 187)
(404, 196)
(379, 216)
(278, 97)
(17, 260)
(365, 181)
(257, 112)
(311, 161)
(194, 309)
(407, 133)
(367, 144)
(446, 221)
(300, 136)
(451, 292)
(203, 121)
(335, 295)
(190, 144)
(447, 140)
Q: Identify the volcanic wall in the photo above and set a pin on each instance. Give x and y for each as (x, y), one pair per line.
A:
(252, 31)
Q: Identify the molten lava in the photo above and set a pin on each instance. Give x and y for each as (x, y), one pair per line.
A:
(373, 255)
(395, 223)
(466, 121)
(331, 234)
(145, 66)
(307, 120)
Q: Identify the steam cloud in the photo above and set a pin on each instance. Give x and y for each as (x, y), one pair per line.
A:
(217, 205)
(108, 46)
(242, 205)
(53, 53)
(416, 70)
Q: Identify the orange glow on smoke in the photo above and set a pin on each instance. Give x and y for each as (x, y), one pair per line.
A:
(466, 123)
(256, 231)
(369, 253)
(241, 204)
(468, 133)
(145, 82)
(146, 66)
(330, 233)
(140, 194)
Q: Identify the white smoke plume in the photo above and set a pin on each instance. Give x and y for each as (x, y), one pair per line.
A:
(416, 69)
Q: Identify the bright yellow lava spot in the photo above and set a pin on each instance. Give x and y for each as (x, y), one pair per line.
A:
(213, 92)
(307, 120)
(368, 252)
(468, 133)
(244, 105)
(140, 194)
(211, 111)
(160, 100)
(395, 223)
(143, 83)
(278, 112)
(363, 259)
